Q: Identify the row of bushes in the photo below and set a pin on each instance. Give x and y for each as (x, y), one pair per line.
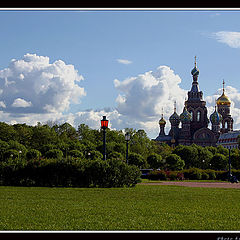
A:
(68, 173)
(191, 174)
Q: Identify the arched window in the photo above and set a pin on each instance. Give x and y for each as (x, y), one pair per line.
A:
(191, 115)
(198, 116)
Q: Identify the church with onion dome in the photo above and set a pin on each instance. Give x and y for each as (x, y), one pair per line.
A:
(191, 125)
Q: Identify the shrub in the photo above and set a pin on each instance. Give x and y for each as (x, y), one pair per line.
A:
(211, 173)
(193, 174)
(33, 154)
(221, 175)
(11, 153)
(69, 173)
(94, 155)
(205, 176)
(157, 175)
(54, 153)
(75, 154)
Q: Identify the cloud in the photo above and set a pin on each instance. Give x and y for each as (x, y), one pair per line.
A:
(19, 102)
(232, 39)
(143, 97)
(124, 61)
(34, 85)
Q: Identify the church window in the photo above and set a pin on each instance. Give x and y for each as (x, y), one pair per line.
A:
(198, 116)
(191, 115)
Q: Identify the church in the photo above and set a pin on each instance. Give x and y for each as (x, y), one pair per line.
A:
(194, 120)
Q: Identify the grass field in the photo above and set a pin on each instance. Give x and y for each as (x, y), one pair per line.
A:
(139, 208)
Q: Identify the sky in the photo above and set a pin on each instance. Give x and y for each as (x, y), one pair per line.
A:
(76, 66)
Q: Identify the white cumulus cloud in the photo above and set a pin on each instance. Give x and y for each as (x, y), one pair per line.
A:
(19, 102)
(143, 97)
(38, 86)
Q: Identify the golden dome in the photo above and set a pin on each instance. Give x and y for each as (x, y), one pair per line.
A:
(223, 100)
(162, 121)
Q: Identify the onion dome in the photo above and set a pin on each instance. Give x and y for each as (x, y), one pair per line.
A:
(174, 119)
(215, 117)
(195, 71)
(185, 116)
(162, 121)
(223, 99)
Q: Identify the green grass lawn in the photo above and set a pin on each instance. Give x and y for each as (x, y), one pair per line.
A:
(139, 208)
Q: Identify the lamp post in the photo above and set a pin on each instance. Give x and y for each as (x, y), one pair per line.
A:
(127, 138)
(104, 125)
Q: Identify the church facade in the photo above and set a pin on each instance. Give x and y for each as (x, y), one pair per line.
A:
(194, 121)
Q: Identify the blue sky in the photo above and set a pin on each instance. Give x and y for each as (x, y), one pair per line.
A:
(107, 45)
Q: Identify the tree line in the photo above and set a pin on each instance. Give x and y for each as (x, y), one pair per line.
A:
(58, 141)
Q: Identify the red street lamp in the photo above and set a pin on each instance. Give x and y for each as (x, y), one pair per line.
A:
(104, 125)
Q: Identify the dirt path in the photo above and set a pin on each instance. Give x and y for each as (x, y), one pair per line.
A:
(197, 184)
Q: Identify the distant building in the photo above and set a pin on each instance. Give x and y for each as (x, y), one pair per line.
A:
(229, 140)
(194, 120)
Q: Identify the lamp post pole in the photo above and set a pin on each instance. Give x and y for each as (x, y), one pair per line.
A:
(104, 144)
(104, 125)
(127, 138)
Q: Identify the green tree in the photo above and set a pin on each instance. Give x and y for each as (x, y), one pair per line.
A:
(116, 155)
(155, 161)
(222, 150)
(187, 153)
(42, 135)
(4, 146)
(137, 159)
(23, 134)
(7, 132)
(174, 162)
(141, 144)
(67, 132)
(204, 157)
(219, 162)
(235, 160)
(85, 133)
(22, 150)
(163, 149)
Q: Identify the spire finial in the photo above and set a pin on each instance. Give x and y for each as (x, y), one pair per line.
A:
(175, 106)
(223, 85)
(162, 112)
(195, 62)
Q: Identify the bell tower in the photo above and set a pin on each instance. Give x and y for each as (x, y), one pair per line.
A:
(195, 104)
(223, 107)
